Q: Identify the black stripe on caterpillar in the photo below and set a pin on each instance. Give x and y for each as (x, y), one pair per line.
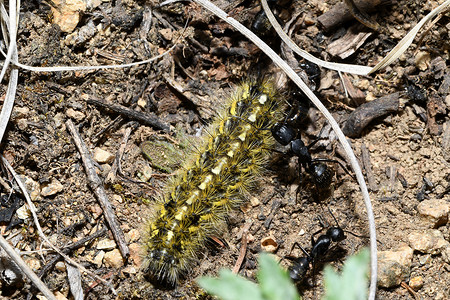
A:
(215, 180)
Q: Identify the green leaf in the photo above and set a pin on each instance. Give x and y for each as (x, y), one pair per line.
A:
(352, 283)
(274, 282)
(230, 287)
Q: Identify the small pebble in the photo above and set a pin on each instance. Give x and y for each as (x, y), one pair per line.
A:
(117, 198)
(424, 259)
(132, 236)
(59, 296)
(141, 103)
(446, 253)
(58, 119)
(394, 266)
(147, 173)
(66, 14)
(254, 201)
(422, 60)
(166, 33)
(98, 259)
(434, 211)
(22, 124)
(106, 244)
(101, 156)
(96, 211)
(105, 169)
(23, 212)
(427, 241)
(33, 263)
(136, 253)
(20, 112)
(113, 259)
(416, 283)
(60, 266)
(75, 114)
(130, 270)
(51, 188)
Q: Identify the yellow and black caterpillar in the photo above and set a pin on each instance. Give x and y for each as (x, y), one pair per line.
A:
(216, 179)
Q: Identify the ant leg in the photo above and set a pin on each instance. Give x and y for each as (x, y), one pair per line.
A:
(360, 236)
(300, 175)
(301, 248)
(275, 150)
(317, 138)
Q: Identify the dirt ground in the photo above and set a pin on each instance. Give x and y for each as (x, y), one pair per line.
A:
(183, 89)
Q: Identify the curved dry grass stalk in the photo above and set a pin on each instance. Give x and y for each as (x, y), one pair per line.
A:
(355, 69)
(14, 76)
(342, 139)
(408, 39)
(86, 68)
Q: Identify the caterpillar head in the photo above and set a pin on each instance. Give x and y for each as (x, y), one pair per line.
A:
(162, 269)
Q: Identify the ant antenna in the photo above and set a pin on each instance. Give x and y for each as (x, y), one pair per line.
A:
(334, 218)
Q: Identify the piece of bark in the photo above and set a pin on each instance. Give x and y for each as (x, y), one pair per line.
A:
(446, 141)
(365, 113)
(354, 93)
(435, 107)
(362, 16)
(365, 158)
(340, 12)
(350, 42)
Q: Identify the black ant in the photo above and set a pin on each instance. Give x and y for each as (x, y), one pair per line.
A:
(300, 265)
(316, 167)
(285, 134)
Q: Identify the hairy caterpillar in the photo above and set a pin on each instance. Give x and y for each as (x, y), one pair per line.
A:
(216, 179)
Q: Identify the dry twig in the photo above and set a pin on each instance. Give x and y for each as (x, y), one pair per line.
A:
(153, 121)
(97, 186)
(110, 178)
(241, 257)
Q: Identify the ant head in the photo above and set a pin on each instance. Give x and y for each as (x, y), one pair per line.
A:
(299, 149)
(311, 69)
(321, 174)
(336, 234)
(282, 133)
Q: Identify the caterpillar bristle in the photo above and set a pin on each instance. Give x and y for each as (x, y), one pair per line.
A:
(217, 178)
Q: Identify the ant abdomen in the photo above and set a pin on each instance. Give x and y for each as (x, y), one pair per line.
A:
(321, 175)
(299, 267)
